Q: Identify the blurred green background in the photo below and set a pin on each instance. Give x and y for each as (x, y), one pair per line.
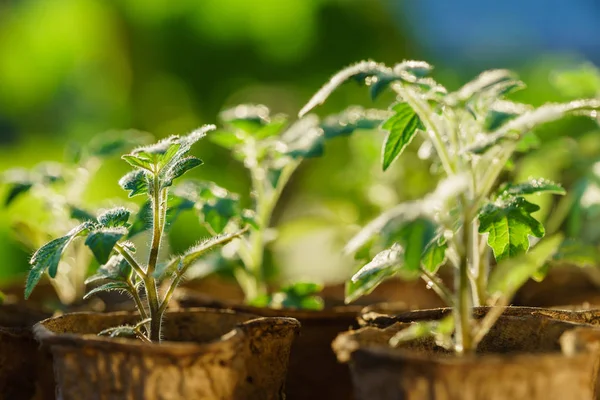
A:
(70, 69)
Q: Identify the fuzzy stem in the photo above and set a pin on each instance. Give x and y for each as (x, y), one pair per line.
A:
(254, 284)
(137, 299)
(151, 289)
(463, 310)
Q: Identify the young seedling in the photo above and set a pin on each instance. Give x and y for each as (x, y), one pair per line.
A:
(271, 151)
(471, 214)
(59, 189)
(156, 167)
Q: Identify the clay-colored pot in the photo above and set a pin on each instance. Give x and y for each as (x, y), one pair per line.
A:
(314, 372)
(563, 286)
(519, 359)
(21, 364)
(207, 354)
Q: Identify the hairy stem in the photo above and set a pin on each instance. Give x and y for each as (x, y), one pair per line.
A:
(137, 299)
(157, 232)
(265, 204)
(463, 310)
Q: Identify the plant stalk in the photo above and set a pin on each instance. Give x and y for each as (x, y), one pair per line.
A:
(464, 308)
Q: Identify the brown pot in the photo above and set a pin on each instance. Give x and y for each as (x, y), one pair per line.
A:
(314, 372)
(563, 286)
(21, 364)
(208, 354)
(520, 358)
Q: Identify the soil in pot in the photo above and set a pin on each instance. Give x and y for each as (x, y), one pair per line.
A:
(21, 364)
(314, 372)
(520, 358)
(207, 354)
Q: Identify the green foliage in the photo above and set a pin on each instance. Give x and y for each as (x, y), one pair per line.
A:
(509, 224)
(402, 129)
(474, 131)
(155, 168)
(299, 295)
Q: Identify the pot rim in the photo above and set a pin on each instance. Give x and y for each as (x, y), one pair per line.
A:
(47, 337)
(375, 313)
(346, 343)
(347, 310)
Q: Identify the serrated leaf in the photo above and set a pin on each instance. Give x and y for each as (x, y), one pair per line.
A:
(416, 236)
(102, 242)
(117, 268)
(539, 185)
(178, 168)
(402, 128)
(136, 182)
(80, 214)
(47, 257)
(110, 286)
(509, 224)
(509, 275)
(114, 217)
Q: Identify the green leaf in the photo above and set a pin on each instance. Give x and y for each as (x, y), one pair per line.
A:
(510, 274)
(365, 284)
(509, 224)
(216, 206)
(226, 139)
(402, 128)
(102, 242)
(383, 260)
(491, 83)
(108, 144)
(304, 139)
(80, 214)
(15, 190)
(540, 185)
(416, 236)
(434, 255)
(352, 119)
(117, 269)
(138, 162)
(48, 256)
(136, 182)
(574, 252)
(114, 217)
(247, 117)
(110, 286)
(178, 168)
(301, 289)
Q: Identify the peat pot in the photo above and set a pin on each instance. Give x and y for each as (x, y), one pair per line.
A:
(314, 372)
(21, 364)
(207, 354)
(525, 356)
